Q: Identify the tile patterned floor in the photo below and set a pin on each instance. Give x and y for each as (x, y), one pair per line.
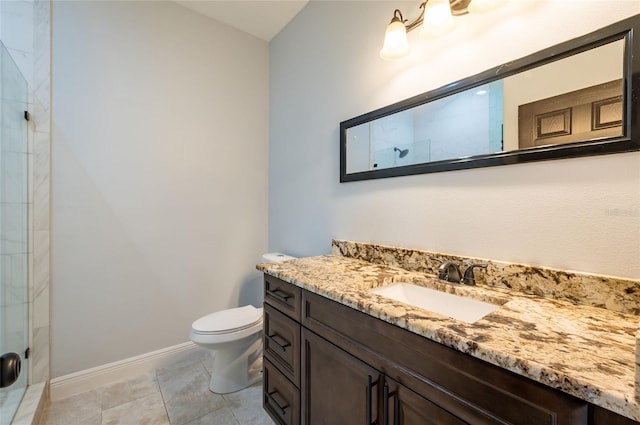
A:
(176, 395)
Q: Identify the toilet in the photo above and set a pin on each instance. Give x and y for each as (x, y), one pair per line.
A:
(235, 338)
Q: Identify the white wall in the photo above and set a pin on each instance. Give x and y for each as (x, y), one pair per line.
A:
(159, 165)
(580, 214)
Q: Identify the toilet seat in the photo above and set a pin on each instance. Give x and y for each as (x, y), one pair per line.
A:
(227, 325)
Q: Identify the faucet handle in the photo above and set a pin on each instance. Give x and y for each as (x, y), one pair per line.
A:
(469, 278)
(449, 271)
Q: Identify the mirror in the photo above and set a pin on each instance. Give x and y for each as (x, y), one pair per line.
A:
(570, 100)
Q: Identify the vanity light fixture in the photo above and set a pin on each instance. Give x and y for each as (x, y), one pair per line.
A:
(436, 18)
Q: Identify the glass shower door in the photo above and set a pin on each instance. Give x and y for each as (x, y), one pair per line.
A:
(13, 237)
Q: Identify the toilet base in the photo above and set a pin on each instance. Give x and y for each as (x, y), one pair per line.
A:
(233, 370)
(219, 386)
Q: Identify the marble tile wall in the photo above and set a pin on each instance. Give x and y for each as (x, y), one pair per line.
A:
(31, 406)
(579, 288)
(13, 225)
(25, 29)
(41, 119)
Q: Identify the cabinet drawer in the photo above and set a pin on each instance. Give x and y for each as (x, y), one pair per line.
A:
(282, 343)
(283, 296)
(280, 398)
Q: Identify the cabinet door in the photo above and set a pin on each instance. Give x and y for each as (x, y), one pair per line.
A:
(337, 388)
(404, 407)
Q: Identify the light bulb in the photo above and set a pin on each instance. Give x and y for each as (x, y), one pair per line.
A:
(437, 19)
(396, 44)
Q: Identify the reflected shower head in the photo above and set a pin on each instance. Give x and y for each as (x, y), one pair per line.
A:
(403, 152)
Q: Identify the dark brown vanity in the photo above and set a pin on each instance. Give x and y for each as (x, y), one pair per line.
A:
(326, 363)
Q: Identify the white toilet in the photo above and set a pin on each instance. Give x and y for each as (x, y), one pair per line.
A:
(235, 336)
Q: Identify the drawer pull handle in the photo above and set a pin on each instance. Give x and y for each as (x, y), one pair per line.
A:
(274, 338)
(385, 406)
(275, 402)
(279, 295)
(370, 385)
(387, 395)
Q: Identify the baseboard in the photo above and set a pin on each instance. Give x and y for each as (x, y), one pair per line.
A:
(89, 379)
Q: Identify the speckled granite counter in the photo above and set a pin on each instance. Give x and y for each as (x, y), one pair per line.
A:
(585, 351)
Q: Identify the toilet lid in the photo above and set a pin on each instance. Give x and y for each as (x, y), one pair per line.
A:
(229, 320)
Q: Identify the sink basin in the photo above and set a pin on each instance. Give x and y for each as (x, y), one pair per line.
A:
(454, 306)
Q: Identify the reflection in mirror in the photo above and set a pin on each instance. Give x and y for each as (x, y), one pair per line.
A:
(570, 100)
(569, 88)
(468, 123)
(577, 98)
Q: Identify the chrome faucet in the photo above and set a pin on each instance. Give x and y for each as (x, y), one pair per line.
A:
(450, 272)
(469, 278)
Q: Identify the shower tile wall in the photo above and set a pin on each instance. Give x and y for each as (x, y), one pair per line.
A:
(13, 225)
(25, 30)
(41, 149)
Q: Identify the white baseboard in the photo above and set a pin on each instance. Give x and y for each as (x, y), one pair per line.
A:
(89, 379)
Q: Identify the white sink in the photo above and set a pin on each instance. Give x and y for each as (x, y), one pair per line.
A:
(454, 306)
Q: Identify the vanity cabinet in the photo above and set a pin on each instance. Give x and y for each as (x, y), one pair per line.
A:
(326, 363)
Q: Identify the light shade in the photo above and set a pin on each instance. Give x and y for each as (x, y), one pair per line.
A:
(437, 19)
(396, 44)
(481, 6)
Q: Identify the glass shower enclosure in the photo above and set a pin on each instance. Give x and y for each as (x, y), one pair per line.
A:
(14, 336)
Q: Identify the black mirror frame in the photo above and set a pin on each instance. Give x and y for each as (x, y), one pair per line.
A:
(628, 29)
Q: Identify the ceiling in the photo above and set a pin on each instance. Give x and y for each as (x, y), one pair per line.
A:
(261, 18)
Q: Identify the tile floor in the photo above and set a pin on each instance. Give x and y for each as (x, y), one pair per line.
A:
(175, 395)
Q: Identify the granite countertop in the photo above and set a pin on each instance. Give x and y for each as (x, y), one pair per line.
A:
(585, 351)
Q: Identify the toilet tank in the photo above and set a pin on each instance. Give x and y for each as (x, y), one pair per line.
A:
(276, 257)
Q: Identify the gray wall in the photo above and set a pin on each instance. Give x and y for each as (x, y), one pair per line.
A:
(159, 178)
(577, 214)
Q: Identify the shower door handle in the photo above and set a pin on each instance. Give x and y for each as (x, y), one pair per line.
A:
(10, 365)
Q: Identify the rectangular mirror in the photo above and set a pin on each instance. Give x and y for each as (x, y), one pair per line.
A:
(571, 100)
